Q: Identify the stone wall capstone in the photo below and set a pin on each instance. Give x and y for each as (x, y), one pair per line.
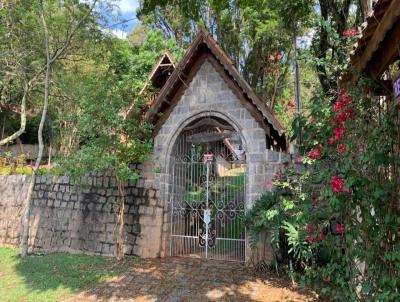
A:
(76, 215)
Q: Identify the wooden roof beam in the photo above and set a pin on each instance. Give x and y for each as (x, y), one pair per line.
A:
(387, 21)
(387, 53)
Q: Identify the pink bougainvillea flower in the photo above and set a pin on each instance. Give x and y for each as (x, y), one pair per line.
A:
(347, 99)
(350, 112)
(321, 236)
(314, 154)
(271, 57)
(331, 141)
(338, 106)
(337, 184)
(340, 228)
(269, 184)
(341, 93)
(277, 175)
(350, 32)
(341, 117)
(338, 132)
(341, 148)
(299, 160)
(310, 239)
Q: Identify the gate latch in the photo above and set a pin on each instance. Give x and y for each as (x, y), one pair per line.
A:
(207, 216)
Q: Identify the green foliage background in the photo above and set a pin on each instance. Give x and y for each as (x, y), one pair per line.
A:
(96, 118)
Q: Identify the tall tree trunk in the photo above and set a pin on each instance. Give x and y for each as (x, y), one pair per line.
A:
(296, 69)
(121, 220)
(50, 59)
(28, 201)
(296, 76)
(322, 47)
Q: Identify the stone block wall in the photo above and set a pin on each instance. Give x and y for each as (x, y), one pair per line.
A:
(77, 215)
(13, 190)
(274, 162)
(263, 253)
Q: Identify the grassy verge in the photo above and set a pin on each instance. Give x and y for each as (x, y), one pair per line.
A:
(53, 277)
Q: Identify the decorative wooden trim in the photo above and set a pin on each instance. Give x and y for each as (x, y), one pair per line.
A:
(386, 54)
(204, 40)
(176, 75)
(387, 22)
(156, 66)
(178, 94)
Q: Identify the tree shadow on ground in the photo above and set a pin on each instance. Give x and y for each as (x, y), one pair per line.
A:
(38, 276)
(179, 279)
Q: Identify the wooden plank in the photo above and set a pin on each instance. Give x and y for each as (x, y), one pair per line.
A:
(152, 112)
(209, 122)
(177, 95)
(206, 137)
(387, 21)
(227, 143)
(387, 53)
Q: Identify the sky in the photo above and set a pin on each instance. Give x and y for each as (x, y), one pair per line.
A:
(125, 10)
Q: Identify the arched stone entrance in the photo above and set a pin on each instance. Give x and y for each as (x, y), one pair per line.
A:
(208, 191)
(203, 94)
(243, 130)
(221, 104)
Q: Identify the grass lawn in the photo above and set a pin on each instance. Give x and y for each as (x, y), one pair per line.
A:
(53, 277)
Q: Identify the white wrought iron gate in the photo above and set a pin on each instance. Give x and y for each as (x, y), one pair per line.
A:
(208, 207)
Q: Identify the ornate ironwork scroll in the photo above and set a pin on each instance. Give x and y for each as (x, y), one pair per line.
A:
(208, 193)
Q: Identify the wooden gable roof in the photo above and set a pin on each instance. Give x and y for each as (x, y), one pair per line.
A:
(162, 69)
(204, 47)
(379, 44)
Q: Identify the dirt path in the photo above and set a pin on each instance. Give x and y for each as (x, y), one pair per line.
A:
(183, 279)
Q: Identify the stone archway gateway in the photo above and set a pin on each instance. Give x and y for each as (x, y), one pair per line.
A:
(216, 146)
(207, 199)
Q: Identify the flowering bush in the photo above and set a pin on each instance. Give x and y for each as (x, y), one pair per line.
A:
(350, 32)
(314, 154)
(340, 209)
(337, 184)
